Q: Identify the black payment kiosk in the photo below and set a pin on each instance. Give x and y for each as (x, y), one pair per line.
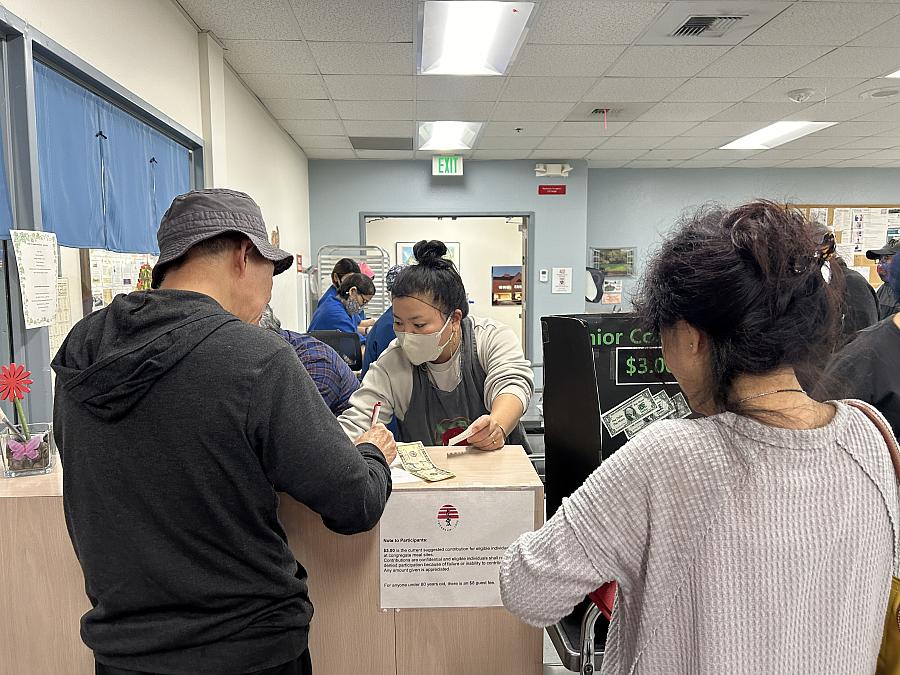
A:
(605, 380)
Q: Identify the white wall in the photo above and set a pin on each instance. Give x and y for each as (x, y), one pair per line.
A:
(147, 46)
(264, 162)
(484, 242)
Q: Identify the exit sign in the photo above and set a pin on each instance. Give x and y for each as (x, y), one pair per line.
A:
(447, 165)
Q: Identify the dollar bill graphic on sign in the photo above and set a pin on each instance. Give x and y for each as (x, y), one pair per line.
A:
(664, 409)
(636, 408)
(417, 462)
(682, 409)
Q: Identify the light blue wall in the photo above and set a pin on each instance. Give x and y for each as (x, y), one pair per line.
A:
(631, 207)
(340, 190)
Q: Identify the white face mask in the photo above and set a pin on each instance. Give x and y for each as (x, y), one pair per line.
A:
(421, 348)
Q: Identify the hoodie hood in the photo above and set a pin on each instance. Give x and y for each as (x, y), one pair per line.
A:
(112, 358)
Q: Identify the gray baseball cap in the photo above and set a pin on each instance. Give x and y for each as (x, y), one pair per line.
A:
(203, 214)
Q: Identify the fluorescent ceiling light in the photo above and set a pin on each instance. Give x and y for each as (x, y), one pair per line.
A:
(441, 136)
(894, 74)
(775, 135)
(470, 37)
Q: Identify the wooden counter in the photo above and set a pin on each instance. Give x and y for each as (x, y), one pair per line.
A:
(40, 620)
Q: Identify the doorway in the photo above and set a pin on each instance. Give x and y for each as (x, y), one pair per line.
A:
(490, 252)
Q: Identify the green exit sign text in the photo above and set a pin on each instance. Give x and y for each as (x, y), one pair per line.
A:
(447, 165)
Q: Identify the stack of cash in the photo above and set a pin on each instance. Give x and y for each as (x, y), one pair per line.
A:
(417, 462)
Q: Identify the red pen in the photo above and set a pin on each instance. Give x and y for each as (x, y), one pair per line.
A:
(375, 410)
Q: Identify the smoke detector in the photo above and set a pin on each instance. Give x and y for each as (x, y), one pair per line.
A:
(878, 94)
(800, 95)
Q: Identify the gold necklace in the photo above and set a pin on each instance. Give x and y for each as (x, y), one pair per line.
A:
(769, 393)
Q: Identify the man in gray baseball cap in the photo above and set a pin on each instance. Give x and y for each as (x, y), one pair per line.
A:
(888, 303)
(177, 420)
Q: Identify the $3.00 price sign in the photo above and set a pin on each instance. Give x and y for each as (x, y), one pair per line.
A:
(641, 365)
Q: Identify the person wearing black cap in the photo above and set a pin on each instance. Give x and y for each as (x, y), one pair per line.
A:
(888, 302)
(177, 421)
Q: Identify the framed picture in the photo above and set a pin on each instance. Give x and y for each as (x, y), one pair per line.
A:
(506, 285)
(405, 252)
(615, 262)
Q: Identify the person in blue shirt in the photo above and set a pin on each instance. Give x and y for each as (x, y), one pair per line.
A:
(382, 333)
(342, 268)
(341, 311)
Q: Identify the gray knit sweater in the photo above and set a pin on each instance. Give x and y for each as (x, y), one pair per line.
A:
(738, 548)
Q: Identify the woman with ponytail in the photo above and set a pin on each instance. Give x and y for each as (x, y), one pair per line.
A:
(447, 372)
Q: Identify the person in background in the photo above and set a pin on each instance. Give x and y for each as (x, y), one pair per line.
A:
(343, 268)
(177, 422)
(860, 307)
(732, 536)
(329, 372)
(888, 300)
(868, 369)
(382, 333)
(341, 311)
(447, 371)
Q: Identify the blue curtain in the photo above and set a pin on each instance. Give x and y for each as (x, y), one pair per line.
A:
(106, 177)
(69, 159)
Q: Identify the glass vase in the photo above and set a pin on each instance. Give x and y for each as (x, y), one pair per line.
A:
(31, 458)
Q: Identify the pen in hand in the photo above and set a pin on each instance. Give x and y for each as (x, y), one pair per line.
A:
(376, 409)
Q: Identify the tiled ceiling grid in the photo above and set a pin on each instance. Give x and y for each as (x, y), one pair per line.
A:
(332, 69)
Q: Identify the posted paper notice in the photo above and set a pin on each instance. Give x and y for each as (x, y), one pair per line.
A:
(37, 258)
(562, 280)
(442, 548)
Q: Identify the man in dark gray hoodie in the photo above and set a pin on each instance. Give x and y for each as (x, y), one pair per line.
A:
(177, 421)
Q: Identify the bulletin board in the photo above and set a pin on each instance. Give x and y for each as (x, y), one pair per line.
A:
(857, 228)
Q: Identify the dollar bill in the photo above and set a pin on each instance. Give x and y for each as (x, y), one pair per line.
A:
(682, 409)
(629, 412)
(417, 462)
(664, 409)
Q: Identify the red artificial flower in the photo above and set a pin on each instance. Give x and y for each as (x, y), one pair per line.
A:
(14, 382)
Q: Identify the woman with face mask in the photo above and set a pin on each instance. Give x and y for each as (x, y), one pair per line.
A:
(341, 270)
(447, 371)
(342, 310)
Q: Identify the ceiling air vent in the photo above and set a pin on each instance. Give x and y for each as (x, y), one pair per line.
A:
(708, 26)
(380, 143)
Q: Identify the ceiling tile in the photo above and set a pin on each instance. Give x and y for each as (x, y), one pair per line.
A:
(560, 154)
(786, 152)
(697, 142)
(705, 164)
(807, 163)
(764, 113)
(376, 110)
(823, 88)
(286, 86)
(635, 142)
(588, 129)
(454, 88)
(860, 91)
(385, 154)
(726, 155)
(322, 142)
(238, 19)
(329, 153)
(571, 142)
(745, 61)
(508, 142)
(854, 62)
(754, 163)
(817, 142)
(566, 60)
(653, 164)
(677, 111)
(527, 128)
(673, 153)
(285, 57)
(314, 127)
(384, 128)
(546, 88)
(842, 153)
(855, 128)
(610, 164)
(615, 154)
(653, 89)
(371, 87)
(822, 23)
(719, 89)
(539, 112)
(890, 113)
(732, 129)
(351, 21)
(497, 154)
(295, 109)
(356, 58)
(883, 36)
(872, 142)
(613, 22)
(892, 154)
(837, 111)
(859, 163)
(665, 61)
(656, 129)
(465, 111)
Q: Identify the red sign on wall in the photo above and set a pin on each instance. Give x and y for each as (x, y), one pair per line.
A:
(551, 189)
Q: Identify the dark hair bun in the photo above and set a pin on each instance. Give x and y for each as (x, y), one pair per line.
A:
(428, 252)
